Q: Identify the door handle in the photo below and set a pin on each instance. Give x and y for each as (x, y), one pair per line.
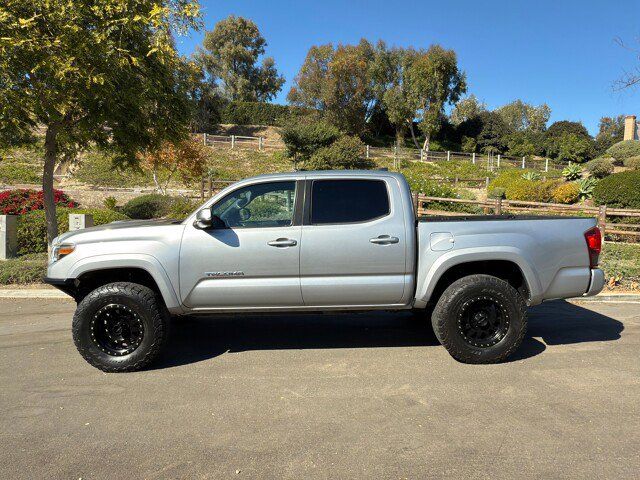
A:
(384, 240)
(282, 242)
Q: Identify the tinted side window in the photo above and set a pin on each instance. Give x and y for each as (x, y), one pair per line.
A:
(258, 206)
(348, 201)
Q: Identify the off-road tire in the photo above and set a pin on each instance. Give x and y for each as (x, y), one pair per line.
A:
(449, 310)
(148, 307)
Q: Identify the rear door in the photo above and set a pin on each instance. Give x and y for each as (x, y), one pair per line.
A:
(353, 243)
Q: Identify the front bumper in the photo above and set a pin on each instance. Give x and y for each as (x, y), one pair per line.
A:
(596, 284)
(67, 285)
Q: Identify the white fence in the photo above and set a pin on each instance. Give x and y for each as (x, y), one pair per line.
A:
(489, 161)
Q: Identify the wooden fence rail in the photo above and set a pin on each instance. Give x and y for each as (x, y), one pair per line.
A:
(617, 230)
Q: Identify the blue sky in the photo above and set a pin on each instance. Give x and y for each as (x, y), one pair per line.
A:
(559, 52)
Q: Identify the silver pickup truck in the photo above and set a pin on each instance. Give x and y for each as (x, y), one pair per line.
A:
(320, 241)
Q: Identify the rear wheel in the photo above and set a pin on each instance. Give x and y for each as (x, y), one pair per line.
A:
(480, 319)
(120, 327)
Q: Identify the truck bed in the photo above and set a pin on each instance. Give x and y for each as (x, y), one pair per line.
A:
(492, 218)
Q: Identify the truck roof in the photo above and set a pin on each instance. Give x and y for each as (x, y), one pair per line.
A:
(327, 173)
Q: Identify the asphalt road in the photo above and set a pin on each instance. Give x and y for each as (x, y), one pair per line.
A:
(348, 396)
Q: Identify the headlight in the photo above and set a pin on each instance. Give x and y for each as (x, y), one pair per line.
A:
(59, 251)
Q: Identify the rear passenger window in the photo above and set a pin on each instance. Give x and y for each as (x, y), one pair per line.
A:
(348, 201)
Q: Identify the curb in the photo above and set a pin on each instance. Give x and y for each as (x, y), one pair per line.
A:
(615, 298)
(33, 293)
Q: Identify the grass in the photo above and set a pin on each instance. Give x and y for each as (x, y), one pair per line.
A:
(23, 270)
(621, 264)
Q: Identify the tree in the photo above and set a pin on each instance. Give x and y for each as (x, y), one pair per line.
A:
(186, 158)
(559, 132)
(610, 131)
(489, 131)
(104, 73)
(339, 82)
(630, 78)
(565, 126)
(520, 116)
(572, 147)
(525, 143)
(434, 81)
(229, 57)
(467, 108)
(391, 68)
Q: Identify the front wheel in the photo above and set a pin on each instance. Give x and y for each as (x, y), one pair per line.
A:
(120, 327)
(480, 319)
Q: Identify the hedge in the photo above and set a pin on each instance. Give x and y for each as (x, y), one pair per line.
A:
(621, 151)
(533, 191)
(23, 200)
(620, 190)
(32, 227)
(154, 205)
(259, 113)
(600, 167)
(566, 193)
(633, 163)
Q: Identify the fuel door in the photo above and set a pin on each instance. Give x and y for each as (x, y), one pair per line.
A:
(441, 241)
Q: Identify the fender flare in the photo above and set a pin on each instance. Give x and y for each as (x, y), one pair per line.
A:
(145, 262)
(457, 257)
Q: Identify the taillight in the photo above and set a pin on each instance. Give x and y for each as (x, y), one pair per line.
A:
(594, 245)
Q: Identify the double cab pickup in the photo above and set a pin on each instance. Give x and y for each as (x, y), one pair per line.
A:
(320, 241)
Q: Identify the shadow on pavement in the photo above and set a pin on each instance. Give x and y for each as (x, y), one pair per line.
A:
(195, 339)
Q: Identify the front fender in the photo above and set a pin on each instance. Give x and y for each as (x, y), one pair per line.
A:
(428, 279)
(146, 262)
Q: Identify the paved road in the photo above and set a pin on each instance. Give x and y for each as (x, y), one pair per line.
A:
(350, 396)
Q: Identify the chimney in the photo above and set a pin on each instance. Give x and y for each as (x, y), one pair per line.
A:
(630, 129)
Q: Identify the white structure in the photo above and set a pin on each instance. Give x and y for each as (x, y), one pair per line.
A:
(631, 128)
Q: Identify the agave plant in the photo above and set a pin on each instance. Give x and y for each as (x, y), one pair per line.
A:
(572, 172)
(531, 176)
(585, 187)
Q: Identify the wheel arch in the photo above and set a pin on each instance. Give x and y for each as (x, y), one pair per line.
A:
(92, 272)
(506, 265)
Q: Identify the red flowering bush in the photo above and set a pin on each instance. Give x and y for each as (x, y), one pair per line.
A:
(22, 200)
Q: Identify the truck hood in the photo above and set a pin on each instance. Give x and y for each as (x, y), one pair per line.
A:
(117, 225)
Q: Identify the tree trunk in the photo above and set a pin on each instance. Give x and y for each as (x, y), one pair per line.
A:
(413, 136)
(399, 136)
(50, 154)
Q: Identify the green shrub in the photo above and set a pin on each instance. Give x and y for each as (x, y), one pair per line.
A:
(566, 193)
(621, 190)
(110, 203)
(259, 113)
(586, 186)
(497, 192)
(526, 190)
(531, 176)
(572, 172)
(305, 136)
(145, 207)
(508, 176)
(12, 173)
(23, 270)
(624, 150)
(32, 227)
(633, 163)
(345, 153)
(181, 208)
(599, 167)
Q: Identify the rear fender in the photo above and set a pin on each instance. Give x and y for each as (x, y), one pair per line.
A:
(427, 280)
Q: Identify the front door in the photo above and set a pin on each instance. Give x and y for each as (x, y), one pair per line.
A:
(252, 258)
(354, 244)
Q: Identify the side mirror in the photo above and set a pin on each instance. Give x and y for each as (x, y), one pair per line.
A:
(204, 219)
